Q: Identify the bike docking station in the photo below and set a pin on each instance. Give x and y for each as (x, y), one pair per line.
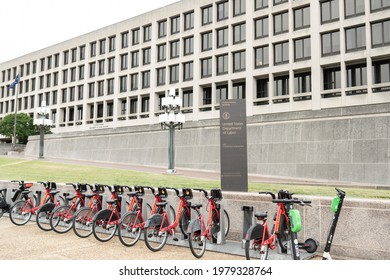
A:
(249, 220)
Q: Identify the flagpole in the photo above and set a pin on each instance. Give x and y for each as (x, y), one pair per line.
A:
(16, 112)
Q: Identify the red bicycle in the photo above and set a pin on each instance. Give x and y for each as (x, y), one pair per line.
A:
(83, 218)
(61, 219)
(198, 231)
(158, 227)
(132, 223)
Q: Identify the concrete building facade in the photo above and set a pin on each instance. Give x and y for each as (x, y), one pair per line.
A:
(294, 62)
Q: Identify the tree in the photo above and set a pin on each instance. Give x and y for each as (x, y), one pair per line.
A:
(24, 127)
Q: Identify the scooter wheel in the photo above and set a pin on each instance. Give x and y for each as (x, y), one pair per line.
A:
(311, 245)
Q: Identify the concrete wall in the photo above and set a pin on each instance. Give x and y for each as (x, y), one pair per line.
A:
(362, 231)
(347, 145)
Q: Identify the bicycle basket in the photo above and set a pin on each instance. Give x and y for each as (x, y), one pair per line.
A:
(162, 192)
(119, 189)
(187, 193)
(295, 220)
(140, 190)
(216, 194)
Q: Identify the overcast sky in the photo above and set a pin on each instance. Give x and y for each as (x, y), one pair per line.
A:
(30, 25)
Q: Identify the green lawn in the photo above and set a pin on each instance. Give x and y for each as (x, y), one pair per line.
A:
(35, 170)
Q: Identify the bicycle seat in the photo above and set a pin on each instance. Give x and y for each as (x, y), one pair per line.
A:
(261, 215)
(162, 203)
(196, 206)
(132, 193)
(111, 201)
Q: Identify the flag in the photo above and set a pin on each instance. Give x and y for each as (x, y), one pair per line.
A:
(15, 82)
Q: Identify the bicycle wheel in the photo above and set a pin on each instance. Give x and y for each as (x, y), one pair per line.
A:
(215, 228)
(197, 243)
(154, 239)
(104, 227)
(43, 216)
(129, 229)
(184, 221)
(61, 219)
(82, 221)
(254, 251)
(21, 212)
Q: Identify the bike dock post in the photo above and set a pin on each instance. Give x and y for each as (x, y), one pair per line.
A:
(8, 196)
(122, 200)
(221, 238)
(247, 221)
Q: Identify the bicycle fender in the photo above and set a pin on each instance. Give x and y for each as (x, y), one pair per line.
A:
(254, 232)
(47, 207)
(193, 226)
(102, 215)
(155, 220)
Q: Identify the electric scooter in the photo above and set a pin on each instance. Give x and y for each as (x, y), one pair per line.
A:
(336, 205)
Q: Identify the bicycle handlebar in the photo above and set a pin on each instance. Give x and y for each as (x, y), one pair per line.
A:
(292, 201)
(340, 192)
(202, 190)
(270, 193)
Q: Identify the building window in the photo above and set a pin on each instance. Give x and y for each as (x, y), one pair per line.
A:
(381, 71)
(92, 49)
(188, 69)
(102, 46)
(111, 44)
(380, 33)
(65, 76)
(134, 81)
(174, 74)
(354, 8)
(66, 60)
(175, 25)
(135, 36)
(133, 106)
(206, 70)
(277, 2)
(207, 15)
(330, 43)
(123, 103)
(329, 11)
(239, 61)
(189, 21)
(101, 67)
(187, 98)
(100, 110)
(145, 104)
(222, 10)
(147, 33)
(146, 56)
(161, 76)
(262, 88)
(123, 83)
(92, 69)
(222, 64)
(188, 45)
(72, 75)
(261, 4)
(332, 78)
(162, 29)
(281, 23)
(110, 86)
(91, 90)
(377, 5)
(356, 75)
(302, 18)
(161, 52)
(175, 49)
(56, 63)
(261, 56)
(302, 49)
(261, 27)
(64, 95)
(355, 38)
(281, 53)
(135, 59)
(100, 88)
(111, 65)
(239, 7)
(125, 39)
(207, 41)
(239, 33)
(239, 90)
(146, 79)
(281, 86)
(302, 82)
(222, 37)
(124, 61)
(221, 93)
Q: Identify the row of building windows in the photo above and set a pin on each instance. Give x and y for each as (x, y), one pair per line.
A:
(301, 16)
(355, 75)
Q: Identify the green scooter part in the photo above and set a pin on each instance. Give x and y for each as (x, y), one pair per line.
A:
(335, 204)
(295, 220)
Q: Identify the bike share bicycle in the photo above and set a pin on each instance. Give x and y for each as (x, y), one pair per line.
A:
(198, 231)
(4, 206)
(287, 224)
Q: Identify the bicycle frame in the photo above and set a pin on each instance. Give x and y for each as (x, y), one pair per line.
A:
(171, 228)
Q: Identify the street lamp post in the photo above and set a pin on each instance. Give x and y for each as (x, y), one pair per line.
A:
(42, 120)
(172, 118)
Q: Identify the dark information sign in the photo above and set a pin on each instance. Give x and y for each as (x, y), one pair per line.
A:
(234, 163)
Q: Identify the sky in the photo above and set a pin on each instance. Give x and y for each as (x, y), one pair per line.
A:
(30, 25)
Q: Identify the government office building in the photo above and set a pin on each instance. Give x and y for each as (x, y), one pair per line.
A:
(283, 57)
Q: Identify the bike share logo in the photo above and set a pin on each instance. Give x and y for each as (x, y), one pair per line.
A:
(226, 115)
